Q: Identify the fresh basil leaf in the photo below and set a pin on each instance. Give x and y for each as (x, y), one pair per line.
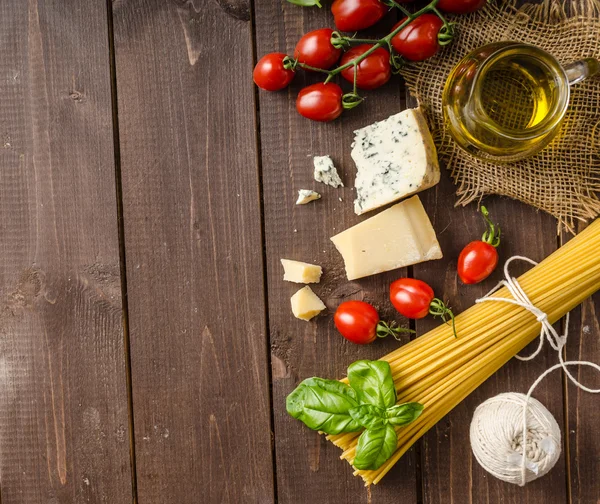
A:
(373, 383)
(374, 447)
(324, 405)
(306, 3)
(369, 416)
(294, 403)
(403, 414)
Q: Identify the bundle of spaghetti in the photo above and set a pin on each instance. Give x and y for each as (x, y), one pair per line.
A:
(439, 370)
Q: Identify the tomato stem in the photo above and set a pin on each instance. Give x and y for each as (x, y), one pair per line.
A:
(359, 40)
(492, 234)
(383, 41)
(446, 33)
(438, 308)
(392, 329)
(396, 5)
(314, 69)
(437, 12)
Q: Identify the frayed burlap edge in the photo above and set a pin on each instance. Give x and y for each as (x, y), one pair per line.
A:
(564, 178)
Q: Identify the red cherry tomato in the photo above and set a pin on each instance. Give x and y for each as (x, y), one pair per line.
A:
(355, 15)
(479, 258)
(418, 40)
(477, 261)
(460, 6)
(411, 297)
(372, 72)
(357, 321)
(269, 73)
(320, 102)
(315, 49)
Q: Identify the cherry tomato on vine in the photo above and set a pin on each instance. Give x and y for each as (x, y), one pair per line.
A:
(320, 102)
(477, 261)
(460, 6)
(359, 322)
(479, 258)
(418, 40)
(415, 299)
(270, 74)
(355, 15)
(315, 49)
(372, 72)
(411, 297)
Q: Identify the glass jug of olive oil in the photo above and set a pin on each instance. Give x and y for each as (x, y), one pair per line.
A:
(506, 100)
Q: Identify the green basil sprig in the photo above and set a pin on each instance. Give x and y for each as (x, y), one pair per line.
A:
(368, 403)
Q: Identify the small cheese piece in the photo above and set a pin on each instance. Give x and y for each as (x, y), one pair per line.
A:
(306, 196)
(399, 236)
(325, 171)
(301, 272)
(394, 158)
(306, 304)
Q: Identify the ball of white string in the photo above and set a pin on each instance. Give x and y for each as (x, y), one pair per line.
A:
(501, 423)
(497, 438)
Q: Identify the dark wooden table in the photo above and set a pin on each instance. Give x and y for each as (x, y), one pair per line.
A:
(146, 340)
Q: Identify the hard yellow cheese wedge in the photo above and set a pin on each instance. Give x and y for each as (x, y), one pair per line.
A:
(399, 236)
(301, 272)
(306, 304)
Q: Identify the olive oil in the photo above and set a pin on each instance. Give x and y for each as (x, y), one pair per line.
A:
(517, 94)
(505, 100)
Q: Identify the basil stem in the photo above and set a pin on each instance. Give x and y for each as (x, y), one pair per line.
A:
(374, 447)
(373, 383)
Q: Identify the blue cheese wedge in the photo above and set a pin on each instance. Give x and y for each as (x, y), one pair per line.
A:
(400, 236)
(326, 172)
(306, 196)
(394, 159)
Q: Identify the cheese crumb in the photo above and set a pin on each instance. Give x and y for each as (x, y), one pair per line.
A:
(306, 304)
(306, 196)
(326, 172)
(301, 272)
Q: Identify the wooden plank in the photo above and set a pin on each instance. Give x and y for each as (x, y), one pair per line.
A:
(194, 253)
(63, 397)
(583, 419)
(450, 472)
(308, 468)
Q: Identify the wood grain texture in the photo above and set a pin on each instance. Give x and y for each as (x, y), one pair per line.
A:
(583, 413)
(308, 468)
(450, 472)
(194, 254)
(63, 398)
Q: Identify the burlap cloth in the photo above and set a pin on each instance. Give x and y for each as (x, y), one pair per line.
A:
(563, 178)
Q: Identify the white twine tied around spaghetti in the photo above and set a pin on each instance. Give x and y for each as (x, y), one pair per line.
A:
(513, 436)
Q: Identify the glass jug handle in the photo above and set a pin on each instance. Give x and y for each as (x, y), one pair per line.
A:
(582, 69)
